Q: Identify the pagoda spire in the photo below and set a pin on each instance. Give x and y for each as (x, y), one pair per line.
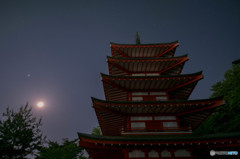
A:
(137, 39)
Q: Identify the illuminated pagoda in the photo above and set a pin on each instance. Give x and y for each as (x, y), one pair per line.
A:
(147, 113)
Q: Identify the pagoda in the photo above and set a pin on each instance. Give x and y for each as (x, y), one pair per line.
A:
(147, 113)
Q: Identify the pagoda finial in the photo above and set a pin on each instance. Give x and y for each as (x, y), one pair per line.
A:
(137, 38)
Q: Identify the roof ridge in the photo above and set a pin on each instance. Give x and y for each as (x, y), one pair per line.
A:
(146, 58)
(162, 137)
(176, 41)
(181, 75)
(171, 101)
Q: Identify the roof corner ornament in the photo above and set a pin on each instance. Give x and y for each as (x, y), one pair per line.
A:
(137, 39)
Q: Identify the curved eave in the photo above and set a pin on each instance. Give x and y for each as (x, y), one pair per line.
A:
(155, 138)
(179, 108)
(149, 77)
(177, 86)
(144, 50)
(220, 98)
(112, 115)
(163, 66)
(224, 140)
(145, 59)
(143, 45)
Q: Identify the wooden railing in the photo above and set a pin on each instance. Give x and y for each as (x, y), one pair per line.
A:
(183, 129)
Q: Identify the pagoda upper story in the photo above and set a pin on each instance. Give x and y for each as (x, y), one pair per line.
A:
(147, 72)
(147, 94)
(144, 50)
(150, 66)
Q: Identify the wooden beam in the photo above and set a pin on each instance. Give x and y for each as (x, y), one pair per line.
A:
(218, 103)
(171, 47)
(105, 109)
(174, 65)
(114, 85)
(119, 67)
(120, 52)
(197, 78)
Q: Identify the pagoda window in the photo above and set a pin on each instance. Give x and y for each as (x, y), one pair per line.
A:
(153, 123)
(182, 153)
(145, 74)
(136, 153)
(138, 74)
(149, 96)
(158, 93)
(137, 98)
(153, 154)
(152, 74)
(141, 118)
(138, 125)
(161, 98)
(139, 93)
(170, 124)
(165, 117)
(165, 153)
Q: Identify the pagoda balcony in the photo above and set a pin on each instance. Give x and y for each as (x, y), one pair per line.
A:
(144, 131)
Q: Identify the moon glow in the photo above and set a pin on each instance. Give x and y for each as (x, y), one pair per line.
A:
(40, 104)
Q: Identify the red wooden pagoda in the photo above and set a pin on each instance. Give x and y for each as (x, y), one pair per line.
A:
(147, 113)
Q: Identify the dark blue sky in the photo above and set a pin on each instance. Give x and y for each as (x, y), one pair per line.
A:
(54, 51)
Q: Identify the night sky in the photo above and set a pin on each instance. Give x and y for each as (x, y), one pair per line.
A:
(55, 50)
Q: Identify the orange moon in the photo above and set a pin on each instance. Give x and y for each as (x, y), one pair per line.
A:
(40, 104)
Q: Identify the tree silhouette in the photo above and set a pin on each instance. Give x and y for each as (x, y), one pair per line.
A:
(67, 150)
(19, 133)
(96, 131)
(227, 117)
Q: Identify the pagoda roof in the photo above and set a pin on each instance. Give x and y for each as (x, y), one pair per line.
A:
(190, 140)
(126, 59)
(177, 86)
(143, 50)
(164, 138)
(140, 45)
(177, 107)
(162, 65)
(112, 115)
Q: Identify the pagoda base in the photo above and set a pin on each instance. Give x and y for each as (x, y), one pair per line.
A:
(161, 146)
(156, 133)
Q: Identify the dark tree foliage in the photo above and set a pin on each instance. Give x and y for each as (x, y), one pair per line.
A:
(19, 133)
(68, 150)
(96, 131)
(227, 117)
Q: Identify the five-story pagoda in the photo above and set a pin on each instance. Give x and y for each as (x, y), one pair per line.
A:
(147, 113)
